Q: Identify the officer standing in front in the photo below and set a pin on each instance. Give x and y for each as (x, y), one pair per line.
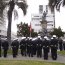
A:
(54, 45)
(29, 47)
(39, 47)
(45, 45)
(5, 46)
(34, 45)
(15, 46)
(23, 46)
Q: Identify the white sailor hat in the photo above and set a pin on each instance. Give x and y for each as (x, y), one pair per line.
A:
(23, 37)
(45, 37)
(54, 35)
(39, 36)
(30, 38)
(51, 37)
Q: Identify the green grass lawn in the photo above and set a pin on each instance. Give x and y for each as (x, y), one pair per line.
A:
(27, 62)
(61, 52)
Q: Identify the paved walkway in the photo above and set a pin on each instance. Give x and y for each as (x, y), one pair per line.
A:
(60, 58)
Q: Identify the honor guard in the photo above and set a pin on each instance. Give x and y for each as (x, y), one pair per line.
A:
(45, 45)
(23, 46)
(39, 46)
(34, 46)
(54, 45)
(15, 46)
(29, 47)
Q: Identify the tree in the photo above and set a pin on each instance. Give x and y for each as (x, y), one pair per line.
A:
(22, 4)
(2, 8)
(24, 30)
(58, 32)
(56, 4)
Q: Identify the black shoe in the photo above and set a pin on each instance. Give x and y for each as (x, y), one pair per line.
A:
(45, 58)
(0, 55)
(5, 56)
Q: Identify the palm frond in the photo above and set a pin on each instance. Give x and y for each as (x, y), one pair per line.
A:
(23, 6)
(63, 2)
(2, 7)
(51, 5)
(59, 2)
(55, 4)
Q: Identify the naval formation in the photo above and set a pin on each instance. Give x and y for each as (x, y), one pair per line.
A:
(31, 47)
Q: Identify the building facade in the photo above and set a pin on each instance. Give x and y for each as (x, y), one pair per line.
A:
(3, 32)
(44, 11)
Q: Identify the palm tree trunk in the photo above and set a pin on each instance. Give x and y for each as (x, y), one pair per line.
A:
(9, 26)
(12, 4)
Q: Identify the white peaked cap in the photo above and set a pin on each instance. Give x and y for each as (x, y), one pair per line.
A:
(54, 35)
(30, 38)
(39, 36)
(64, 40)
(51, 37)
(45, 37)
(23, 37)
(34, 39)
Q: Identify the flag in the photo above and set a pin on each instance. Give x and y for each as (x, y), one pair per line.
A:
(30, 27)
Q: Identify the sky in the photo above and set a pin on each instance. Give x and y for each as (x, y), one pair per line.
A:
(33, 8)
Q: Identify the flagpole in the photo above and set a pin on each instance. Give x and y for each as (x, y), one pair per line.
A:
(30, 33)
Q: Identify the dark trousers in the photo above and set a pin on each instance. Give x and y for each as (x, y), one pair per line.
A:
(60, 47)
(54, 53)
(5, 52)
(29, 51)
(39, 52)
(46, 53)
(14, 52)
(17, 51)
(22, 52)
(64, 46)
(0, 52)
(34, 51)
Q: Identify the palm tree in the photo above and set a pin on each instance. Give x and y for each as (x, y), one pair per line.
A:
(2, 7)
(56, 4)
(22, 4)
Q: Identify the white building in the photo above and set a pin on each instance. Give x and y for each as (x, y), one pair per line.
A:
(36, 18)
(35, 23)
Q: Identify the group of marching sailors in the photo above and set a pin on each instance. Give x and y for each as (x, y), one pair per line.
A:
(31, 47)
